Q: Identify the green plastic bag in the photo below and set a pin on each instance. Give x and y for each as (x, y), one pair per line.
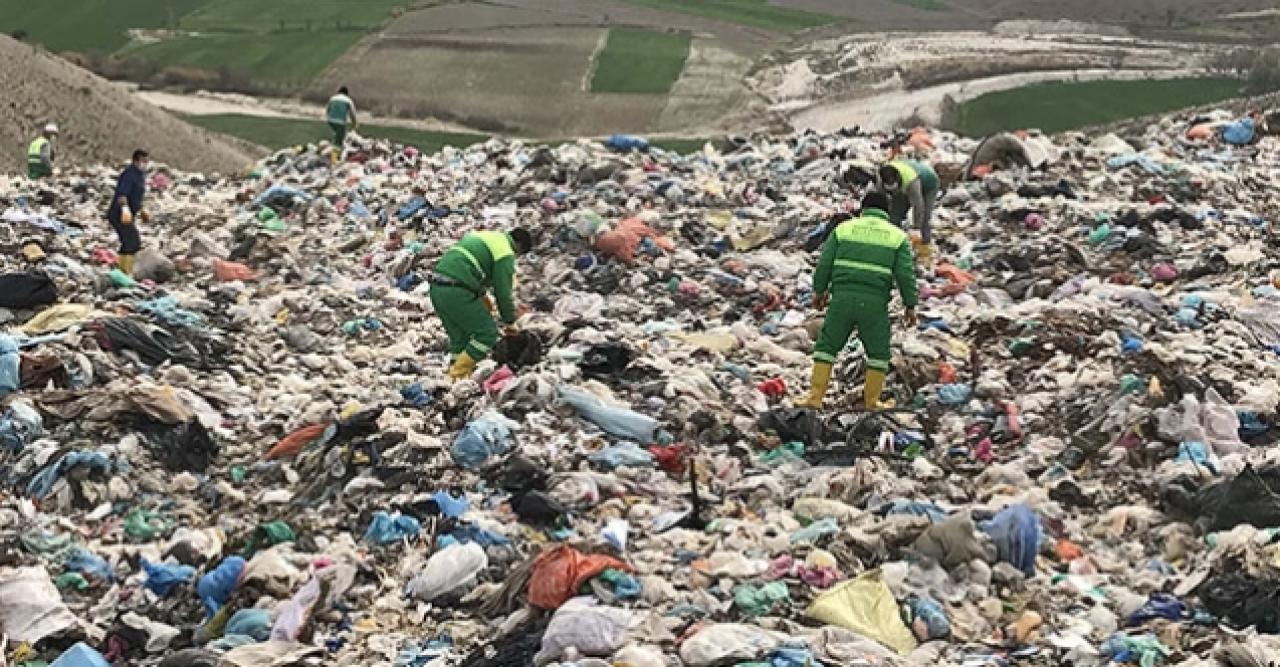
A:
(1100, 234)
(760, 600)
(268, 535)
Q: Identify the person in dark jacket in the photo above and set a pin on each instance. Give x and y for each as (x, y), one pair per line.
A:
(126, 205)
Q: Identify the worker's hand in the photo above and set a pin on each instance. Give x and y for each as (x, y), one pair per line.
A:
(821, 300)
(909, 318)
(145, 216)
(126, 217)
(510, 330)
(488, 303)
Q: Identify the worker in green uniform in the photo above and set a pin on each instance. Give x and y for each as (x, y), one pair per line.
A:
(340, 113)
(861, 261)
(40, 153)
(479, 262)
(911, 184)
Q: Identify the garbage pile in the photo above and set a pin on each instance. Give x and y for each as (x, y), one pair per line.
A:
(249, 453)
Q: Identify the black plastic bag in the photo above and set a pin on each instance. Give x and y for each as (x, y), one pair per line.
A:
(1252, 497)
(26, 290)
(1243, 601)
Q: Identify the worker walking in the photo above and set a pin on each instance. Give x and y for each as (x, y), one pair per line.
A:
(479, 262)
(861, 261)
(40, 153)
(911, 184)
(341, 114)
(126, 206)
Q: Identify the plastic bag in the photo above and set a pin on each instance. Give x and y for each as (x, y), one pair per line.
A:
(616, 421)
(20, 425)
(448, 570)
(162, 578)
(80, 655)
(866, 606)
(1016, 532)
(216, 587)
(952, 542)
(592, 629)
(30, 606)
(559, 573)
(760, 600)
(1221, 424)
(387, 528)
(254, 623)
(486, 437)
(726, 644)
(293, 616)
(10, 366)
(624, 454)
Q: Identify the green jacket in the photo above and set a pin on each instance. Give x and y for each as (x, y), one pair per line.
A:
(868, 255)
(482, 261)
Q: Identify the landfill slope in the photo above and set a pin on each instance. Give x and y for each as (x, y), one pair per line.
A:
(100, 123)
(250, 452)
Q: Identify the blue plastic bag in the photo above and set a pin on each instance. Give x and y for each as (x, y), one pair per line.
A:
(934, 616)
(86, 562)
(930, 511)
(470, 532)
(41, 485)
(815, 531)
(10, 366)
(387, 529)
(623, 454)
(20, 424)
(617, 421)
(162, 579)
(80, 655)
(449, 506)
(954, 394)
(480, 440)
(1239, 133)
(216, 587)
(1016, 533)
(625, 143)
(254, 623)
(1159, 605)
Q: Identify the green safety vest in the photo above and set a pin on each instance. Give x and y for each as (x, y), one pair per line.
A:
(33, 151)
(907, 172)
(499, 247)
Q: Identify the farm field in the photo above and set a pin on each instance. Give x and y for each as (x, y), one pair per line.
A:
(1057, 107)
(294, 57)
(89, 25)
(640, 61)
(264, 16)
(755, 13)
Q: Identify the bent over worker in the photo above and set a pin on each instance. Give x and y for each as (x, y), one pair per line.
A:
(126, 203)
(477, 263)
(911, 184)
(861, 261)
(40, 153)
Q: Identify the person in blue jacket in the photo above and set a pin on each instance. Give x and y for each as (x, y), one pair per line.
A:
(126, 206)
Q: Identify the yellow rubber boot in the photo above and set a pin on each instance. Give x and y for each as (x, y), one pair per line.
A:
(872, 389)
(818, 384)
(462, 367)
(124, 262)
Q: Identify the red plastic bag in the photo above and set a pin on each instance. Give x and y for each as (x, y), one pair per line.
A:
(291, 444)
(226, 271)
(559, 573)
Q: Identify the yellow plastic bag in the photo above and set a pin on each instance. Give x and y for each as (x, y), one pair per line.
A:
(866, 606)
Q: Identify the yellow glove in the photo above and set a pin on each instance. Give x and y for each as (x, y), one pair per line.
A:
(145, 215)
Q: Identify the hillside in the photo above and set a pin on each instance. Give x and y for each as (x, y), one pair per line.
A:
(100, 123)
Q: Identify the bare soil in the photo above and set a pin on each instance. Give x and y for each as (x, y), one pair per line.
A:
(100, 122)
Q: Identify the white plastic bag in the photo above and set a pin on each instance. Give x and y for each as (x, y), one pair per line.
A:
(580, 623)
(448, 570)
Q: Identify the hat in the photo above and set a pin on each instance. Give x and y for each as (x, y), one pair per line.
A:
(51, 128)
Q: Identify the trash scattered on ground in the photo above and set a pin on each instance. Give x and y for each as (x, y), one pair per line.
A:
(250, 451)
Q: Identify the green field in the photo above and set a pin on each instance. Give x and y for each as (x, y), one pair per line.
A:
(281, 132)
(753, 13)
(1057, 107)
(269, 15)
(640, 61)
(928, 5)
(89, 25)
(287, 57)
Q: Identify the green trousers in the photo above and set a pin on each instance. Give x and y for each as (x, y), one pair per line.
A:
(37, 170)
(850, 310)
(470, 326)
(339, 133)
